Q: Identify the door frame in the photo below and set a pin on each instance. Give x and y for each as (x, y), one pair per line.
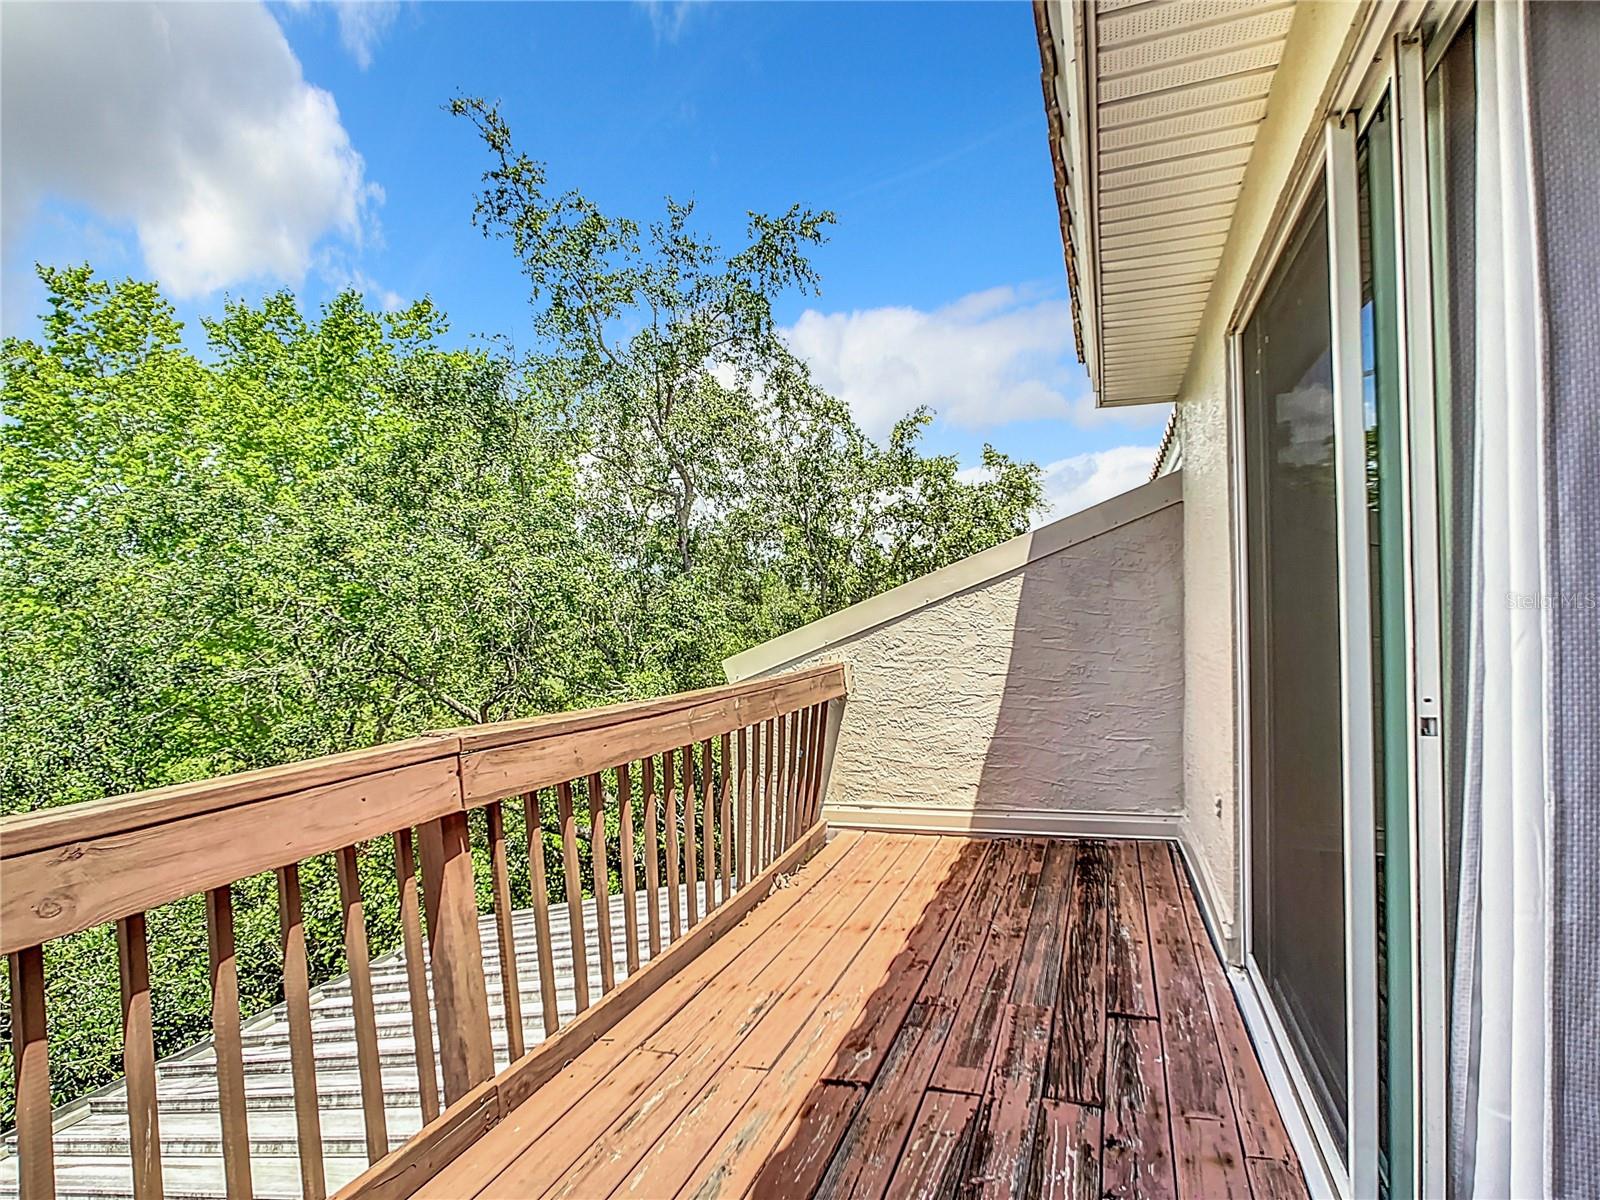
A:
(1399, 73)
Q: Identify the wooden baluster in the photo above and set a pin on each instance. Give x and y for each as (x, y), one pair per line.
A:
(760, 765)
(726, 859)
(792, 793)
(759, 753)
(774, 803)
(744, 818)
(770, 769)
(797, 749)
(691, 867)
(708, 792)
(574, 886)
(808, 750)
(749, 787)
(797, 768)
(602, 881)
(780, 788)
(533, 815)
(500, 886)
(226, 1043)
(652, 858)
(302, 1060)
(449, 895)
(802, 724)
(626, 868)
(30, 1064)
(405, 867)
(791, 775)
(368, 1066)
(752, 789)
(670, 815)
(139, 1057)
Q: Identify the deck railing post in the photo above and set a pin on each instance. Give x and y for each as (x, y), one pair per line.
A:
(30, 1061)
(460, 994)
(832, 719)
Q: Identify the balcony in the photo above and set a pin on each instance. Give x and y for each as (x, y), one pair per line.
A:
(763, 1006)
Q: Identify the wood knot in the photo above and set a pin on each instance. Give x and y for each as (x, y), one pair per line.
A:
(48, 909)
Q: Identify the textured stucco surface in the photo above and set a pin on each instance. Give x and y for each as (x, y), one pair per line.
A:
(1056, 687)
(1210, 751)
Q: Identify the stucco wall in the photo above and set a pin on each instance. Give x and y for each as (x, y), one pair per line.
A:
(1316, 46)
(1046, 696)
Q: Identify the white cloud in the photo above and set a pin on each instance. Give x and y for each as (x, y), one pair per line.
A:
(667, 17)
(362, 24)
(988, 359)
(1073, 484)
(191, 123)
(340, 274)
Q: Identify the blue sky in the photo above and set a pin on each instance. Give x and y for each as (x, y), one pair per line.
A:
(232, 149)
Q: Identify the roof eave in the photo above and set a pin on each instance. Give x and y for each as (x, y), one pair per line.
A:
(1053, 75)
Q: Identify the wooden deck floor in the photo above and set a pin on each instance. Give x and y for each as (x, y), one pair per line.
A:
(921, 1016)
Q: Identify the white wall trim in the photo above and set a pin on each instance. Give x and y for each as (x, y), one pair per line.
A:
(1210, 894)
(1014, 822)
(970, 572)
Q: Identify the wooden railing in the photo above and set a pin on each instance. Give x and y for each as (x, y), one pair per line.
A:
(713, 794)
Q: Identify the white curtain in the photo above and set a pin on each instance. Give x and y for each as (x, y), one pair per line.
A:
(1500, 1032)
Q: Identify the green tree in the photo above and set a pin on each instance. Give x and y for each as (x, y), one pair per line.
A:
(740, 499)
(328, 531)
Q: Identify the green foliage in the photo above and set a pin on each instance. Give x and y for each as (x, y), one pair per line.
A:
(329, 531)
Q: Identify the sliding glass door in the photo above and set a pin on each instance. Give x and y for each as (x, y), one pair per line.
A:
(1297, 871)
(1353, 469)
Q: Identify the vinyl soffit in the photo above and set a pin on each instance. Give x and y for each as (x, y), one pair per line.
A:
(1162, 149)
(1173, 231)
(1179, 89)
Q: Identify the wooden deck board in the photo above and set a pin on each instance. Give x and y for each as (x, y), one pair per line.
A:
(756, 1014)
(934, 1162)
(1137, 1160)
(602, 1134)
(534, 1117)
(1206, 1143)
(1069, 1156)
(1077, 1053)
(1007, 1147)
(1261, 1128)
(814, 1049)
(1038, 974)
(797, 1168)
(789, 1098)
(975, 1030)
(1130, 990)
(924, 934)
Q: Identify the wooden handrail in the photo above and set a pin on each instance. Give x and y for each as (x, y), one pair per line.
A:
(51, 827)
(723, 817)
(134, 810)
